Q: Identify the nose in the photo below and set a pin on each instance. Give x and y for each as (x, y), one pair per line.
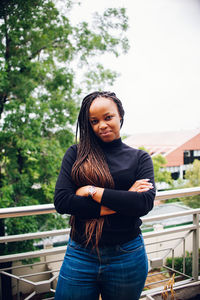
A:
(102, 125)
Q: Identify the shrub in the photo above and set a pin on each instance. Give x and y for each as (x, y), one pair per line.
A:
(178, 263)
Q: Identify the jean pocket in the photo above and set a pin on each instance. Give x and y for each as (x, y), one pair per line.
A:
(133, 245)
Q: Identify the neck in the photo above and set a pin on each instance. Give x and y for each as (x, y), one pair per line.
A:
(110, 145)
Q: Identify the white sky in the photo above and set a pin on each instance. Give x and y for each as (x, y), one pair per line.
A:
(160, 76)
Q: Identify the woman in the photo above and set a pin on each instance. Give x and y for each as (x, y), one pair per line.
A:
(106, 186)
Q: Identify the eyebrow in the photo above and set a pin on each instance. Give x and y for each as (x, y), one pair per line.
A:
(108, 113)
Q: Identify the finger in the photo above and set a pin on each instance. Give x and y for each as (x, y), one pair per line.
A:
(138, 182)
(143, 190)
(149, 186)
(143, 180)
(141, 186)
(146, 182)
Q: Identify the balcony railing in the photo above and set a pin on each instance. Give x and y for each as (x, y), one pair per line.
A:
(160, 244)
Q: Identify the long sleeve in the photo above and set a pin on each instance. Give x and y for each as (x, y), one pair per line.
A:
(65, 199)
(133, 203)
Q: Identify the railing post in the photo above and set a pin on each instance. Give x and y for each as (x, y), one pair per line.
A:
(18, 297)
(195, 254)
(0, 288)
(184, 255)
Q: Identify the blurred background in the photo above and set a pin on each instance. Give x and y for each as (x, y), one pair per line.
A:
(160, 74)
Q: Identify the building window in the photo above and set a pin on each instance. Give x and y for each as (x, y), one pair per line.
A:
(187, 153)
(175, 175)
(196, 153)
(190, 156)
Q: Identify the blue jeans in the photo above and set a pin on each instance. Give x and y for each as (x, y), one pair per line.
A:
(118, 272)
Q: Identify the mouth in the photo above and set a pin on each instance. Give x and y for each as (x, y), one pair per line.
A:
(104, 134)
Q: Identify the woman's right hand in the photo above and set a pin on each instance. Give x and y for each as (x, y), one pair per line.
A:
(142, 185)
(106, 211)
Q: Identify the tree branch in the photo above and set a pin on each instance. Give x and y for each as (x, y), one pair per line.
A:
(3, 99)
(45, 47)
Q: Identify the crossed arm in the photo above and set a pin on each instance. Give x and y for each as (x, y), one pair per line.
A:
(140, 186)
(137, 201)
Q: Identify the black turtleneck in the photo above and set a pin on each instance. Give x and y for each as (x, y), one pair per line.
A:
(126, 165)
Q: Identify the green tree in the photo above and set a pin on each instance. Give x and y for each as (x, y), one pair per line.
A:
(40, 53)
(192, 176)
(160, 174)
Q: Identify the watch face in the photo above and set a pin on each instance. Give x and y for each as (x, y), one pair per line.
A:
(92, 190)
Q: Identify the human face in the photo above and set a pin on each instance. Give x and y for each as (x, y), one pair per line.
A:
(105, 119)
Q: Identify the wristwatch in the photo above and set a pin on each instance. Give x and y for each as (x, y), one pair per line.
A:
(92, 190)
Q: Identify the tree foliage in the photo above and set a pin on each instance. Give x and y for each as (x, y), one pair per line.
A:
(160, 174)
(40, 54)
(192, 176)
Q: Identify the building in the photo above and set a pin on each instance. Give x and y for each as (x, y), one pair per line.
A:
(180, 148)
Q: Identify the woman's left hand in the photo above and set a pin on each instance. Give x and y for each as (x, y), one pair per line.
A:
(82, 191)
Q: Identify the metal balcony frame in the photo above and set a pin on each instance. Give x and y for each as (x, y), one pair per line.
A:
(41, 286)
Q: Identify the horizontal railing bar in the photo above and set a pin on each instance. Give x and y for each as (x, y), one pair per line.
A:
(156, 282)
(164, 195)
(168, 231)
(26, 280)
(34, 235)
(49, 208)
(155, 274)
(31, 265)
(32, 254)
(39, 273)
(178, 284)
(159, 250)
(163, 241)
(159, 281)
(17, 277)
(29, 236)
(171, 215)
(21, 211)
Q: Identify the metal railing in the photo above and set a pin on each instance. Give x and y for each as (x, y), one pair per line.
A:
(156, 256)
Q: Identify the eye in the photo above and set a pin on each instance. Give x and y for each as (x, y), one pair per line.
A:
(108, 118)
(93, 122)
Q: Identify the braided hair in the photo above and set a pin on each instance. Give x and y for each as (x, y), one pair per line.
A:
(90, 167)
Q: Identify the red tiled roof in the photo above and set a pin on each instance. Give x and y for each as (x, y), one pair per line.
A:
(161, 142)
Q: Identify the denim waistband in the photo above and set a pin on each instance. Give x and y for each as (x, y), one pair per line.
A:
(106, 250)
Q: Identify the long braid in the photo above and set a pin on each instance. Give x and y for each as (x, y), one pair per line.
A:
(90, 167)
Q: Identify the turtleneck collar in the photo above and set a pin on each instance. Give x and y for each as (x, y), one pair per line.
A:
(110, 145)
